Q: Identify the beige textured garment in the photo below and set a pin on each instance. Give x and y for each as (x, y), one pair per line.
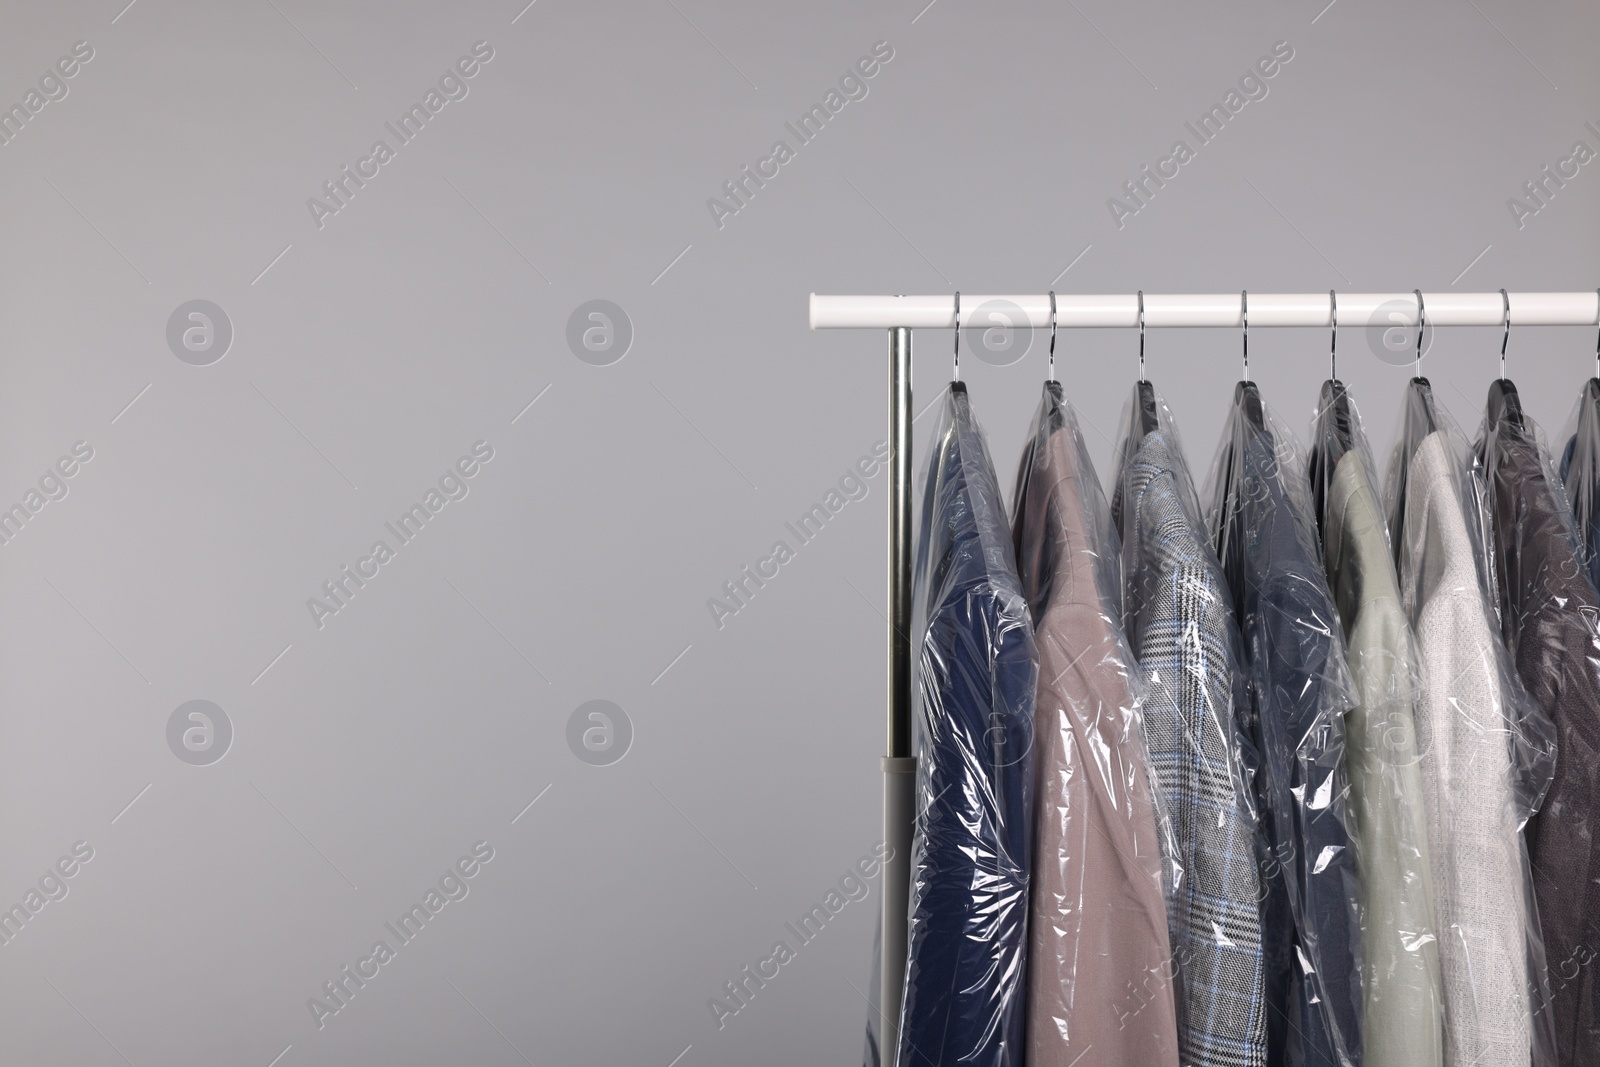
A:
(1480, 898)
(1099, 966)
(1403, 1024)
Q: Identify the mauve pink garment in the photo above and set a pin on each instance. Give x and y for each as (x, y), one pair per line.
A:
(1099, 962)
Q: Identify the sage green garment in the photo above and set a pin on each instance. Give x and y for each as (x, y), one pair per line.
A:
(1404, 1016)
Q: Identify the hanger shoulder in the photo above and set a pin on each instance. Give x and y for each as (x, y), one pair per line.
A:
(1422, 392)
(1248, 397)
(1149, 418)
(1505, 405)
(1338, 417)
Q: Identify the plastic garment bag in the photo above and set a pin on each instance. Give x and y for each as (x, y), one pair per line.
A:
(1180, 627)
(1403, 1017)
(871, 1047)
(976, 670)
(1299, 689)
(1550, 616)
(1099, 979)
(1484, 749)
(1580, 474)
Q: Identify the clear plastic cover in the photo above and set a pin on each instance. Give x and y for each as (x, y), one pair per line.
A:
(1099, 974)
(976, 673)
(1580, 474)
(1403, 1022)
(1550, 617)
(871, 1046)
(1482, 746)
(1299, 692)
(1179, 623)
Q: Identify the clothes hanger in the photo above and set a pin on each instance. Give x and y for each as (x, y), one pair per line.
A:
(1052, 387)
(1420, 422)
(1420, 386)
(1335, 399)
(1505, 405)
(1228, 534)
(1424, 407)
(957, 386)
(1052, 375)
(1245, 393)
(1041, 558)
(1149, 420)
(1335, 421)
(1581, 479)
(1146, 420)
(1591, 389)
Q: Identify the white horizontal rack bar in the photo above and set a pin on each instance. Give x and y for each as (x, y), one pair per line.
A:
(829, 312)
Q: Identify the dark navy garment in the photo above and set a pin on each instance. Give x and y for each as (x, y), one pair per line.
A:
(1299, 693)
(976, 677)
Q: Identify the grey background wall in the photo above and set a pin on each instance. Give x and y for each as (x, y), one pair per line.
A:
(363, 752)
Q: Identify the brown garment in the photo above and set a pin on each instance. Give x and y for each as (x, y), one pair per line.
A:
(1099, 962)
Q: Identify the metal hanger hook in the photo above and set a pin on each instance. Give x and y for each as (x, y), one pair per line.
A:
(1505, 338)
(1244, 313)
(1141, 336)
(1053, 333)
(1333, 351)
(1422, 322)
(956, 374)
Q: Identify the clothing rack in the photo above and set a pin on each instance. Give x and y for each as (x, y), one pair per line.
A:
(1207, 309)
(901, 314)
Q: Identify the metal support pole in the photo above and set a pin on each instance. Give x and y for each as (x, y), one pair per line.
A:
(899, 765)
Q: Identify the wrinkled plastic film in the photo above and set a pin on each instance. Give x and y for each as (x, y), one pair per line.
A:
(1403, 1010)
(1550, 616)
(1099, 956)
(973, 721)
(1472, 721)
(1180, 626)
(1299, 692)
(1580, 474)
(1534, 742)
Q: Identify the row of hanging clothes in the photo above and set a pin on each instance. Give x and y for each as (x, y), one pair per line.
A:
(1302, 771)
